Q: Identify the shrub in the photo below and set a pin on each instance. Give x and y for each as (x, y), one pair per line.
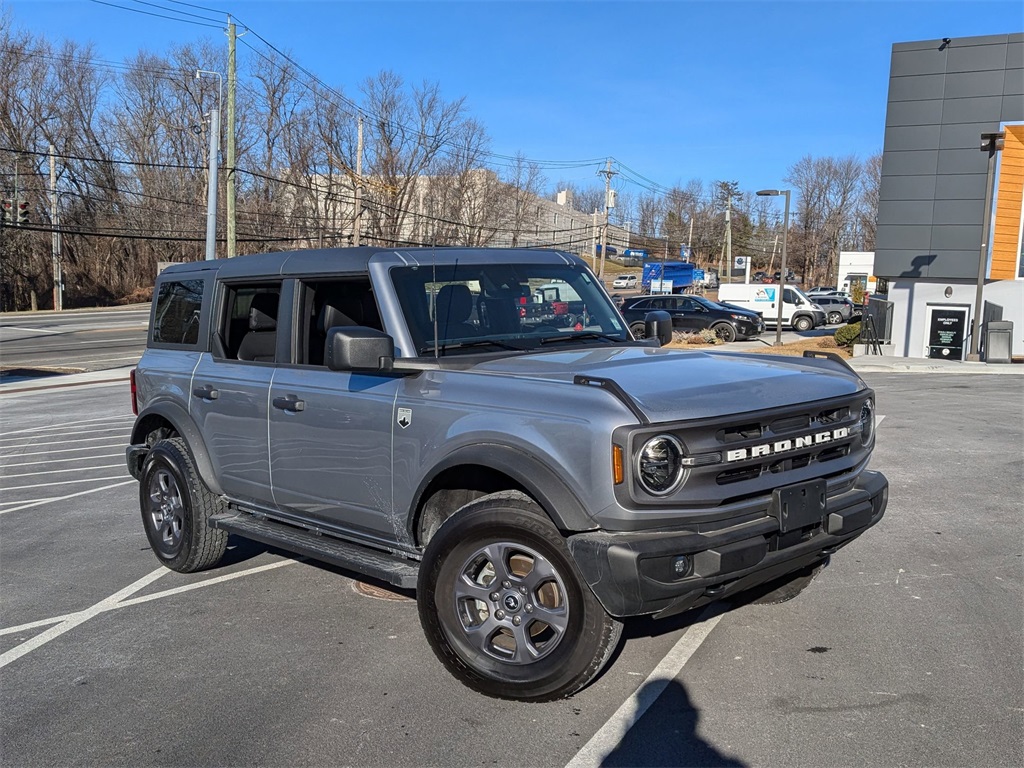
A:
(848, 335)
(828, 342)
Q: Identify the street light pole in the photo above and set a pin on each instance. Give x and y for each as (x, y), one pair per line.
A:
(991, 143)
(211, 191)
(782, 267)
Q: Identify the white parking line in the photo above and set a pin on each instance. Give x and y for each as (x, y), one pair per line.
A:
(64, 471)
(118, 600)
(40, 502)
(610, 735)
(65, 482)
(63, 460)
(114, 437)
(20, 454)
(33, 443)
(66, 424)
(79, 618)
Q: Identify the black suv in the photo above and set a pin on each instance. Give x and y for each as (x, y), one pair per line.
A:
(691, 314)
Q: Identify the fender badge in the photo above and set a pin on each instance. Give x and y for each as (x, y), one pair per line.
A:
(404, 417)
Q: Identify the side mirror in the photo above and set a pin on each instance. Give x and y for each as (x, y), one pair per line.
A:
(357, 348)
(658, 325)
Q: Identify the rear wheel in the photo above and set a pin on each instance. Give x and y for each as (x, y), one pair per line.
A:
(803, 323)
(835, 317)
(725, 332)
(176, 507)
(504, 608)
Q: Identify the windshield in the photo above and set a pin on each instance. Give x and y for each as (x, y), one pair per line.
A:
(486, 307)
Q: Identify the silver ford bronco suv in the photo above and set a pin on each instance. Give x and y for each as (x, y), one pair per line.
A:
(480, 425)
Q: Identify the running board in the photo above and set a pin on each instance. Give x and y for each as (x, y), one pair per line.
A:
(368, 562)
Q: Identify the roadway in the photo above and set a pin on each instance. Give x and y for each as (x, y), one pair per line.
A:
(79, 340)
(904, 651)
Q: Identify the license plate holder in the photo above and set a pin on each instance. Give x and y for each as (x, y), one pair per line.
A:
(798, 506)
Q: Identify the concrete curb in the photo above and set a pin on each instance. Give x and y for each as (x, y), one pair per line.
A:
(59, 381)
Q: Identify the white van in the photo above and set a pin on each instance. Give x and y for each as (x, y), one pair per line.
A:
(798, 312)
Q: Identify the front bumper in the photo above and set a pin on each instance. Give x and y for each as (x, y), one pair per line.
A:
(634, 574)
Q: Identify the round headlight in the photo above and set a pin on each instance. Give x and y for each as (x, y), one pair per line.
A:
(659, 465)
(867, 423)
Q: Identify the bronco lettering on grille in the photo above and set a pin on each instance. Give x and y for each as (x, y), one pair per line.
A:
(784, 446)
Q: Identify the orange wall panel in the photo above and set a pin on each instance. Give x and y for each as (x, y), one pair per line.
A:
(1009, 204)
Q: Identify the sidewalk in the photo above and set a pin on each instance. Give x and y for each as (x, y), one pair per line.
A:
(55, 381)
(890, 364)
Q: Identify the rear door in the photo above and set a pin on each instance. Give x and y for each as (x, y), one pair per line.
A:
(228, 395)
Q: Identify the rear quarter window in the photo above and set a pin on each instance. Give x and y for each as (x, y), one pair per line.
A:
(178, 314)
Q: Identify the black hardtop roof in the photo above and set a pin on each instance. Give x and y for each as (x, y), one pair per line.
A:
(356, 260)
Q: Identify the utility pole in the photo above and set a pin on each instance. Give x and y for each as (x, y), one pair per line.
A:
(607, 173)
(357, 221)
(230, 157)
(728, 234)
(594, 240)
(58, 294)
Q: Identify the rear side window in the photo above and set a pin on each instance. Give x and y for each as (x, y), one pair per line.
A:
(178, 313)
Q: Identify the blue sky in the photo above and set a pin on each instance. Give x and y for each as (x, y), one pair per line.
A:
(674, 90)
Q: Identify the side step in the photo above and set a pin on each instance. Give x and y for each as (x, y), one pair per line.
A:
(369, 562)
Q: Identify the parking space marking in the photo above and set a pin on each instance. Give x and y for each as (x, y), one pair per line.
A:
(20, 454)
(65, 431)
(64, 424)
(31, 330)
(64, 482)
(122, 599)
(40, 502)
(64, 460)
(63, 471)
(60, 442)
(81, 617)
(610, 735)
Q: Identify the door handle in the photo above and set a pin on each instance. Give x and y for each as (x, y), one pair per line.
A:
(290, 403)
(206, 393)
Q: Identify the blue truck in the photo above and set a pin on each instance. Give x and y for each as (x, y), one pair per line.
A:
(679, 273)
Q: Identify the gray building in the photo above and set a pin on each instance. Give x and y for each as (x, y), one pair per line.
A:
(932, 234)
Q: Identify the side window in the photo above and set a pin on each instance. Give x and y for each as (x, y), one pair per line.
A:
(248, 327)
(178, 312)
(333, 303)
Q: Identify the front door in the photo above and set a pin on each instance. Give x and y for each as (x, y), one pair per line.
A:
(947, 332)
(330, 447)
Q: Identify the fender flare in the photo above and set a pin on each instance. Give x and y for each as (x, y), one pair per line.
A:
(179, 418)
(540, 481)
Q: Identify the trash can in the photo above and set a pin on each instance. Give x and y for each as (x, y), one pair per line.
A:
(999, 341)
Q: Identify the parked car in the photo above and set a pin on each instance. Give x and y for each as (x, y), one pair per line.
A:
(625, 281)
(790, 276)
(837, 309)
(691, 314)
(820, 290)
(422, 418)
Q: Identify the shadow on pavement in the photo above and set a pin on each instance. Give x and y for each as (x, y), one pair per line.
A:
(666, 734)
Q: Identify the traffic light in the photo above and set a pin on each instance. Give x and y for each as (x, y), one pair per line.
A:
(22, 212)
(8, 212)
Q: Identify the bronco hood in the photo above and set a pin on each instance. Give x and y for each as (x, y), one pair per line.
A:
(668, 384)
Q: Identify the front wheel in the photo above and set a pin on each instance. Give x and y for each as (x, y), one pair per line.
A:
(504, 608)
(725, 332)
(835, 318)
(803, 323)
(639, 331)
(176, 506)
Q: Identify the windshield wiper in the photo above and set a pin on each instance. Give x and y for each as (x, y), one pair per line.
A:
(446, 345)
(554, 339)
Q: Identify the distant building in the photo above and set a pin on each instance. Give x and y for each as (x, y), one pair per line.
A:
(944, 95)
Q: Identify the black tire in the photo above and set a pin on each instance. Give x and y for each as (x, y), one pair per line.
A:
(725, 332)
(504, 608)
(176, 507)
(639, 330)
(803, 323)
(835, 318)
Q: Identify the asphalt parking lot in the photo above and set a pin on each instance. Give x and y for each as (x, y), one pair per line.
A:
(905, 651)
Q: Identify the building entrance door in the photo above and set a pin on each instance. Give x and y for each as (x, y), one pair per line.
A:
(947, 332)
